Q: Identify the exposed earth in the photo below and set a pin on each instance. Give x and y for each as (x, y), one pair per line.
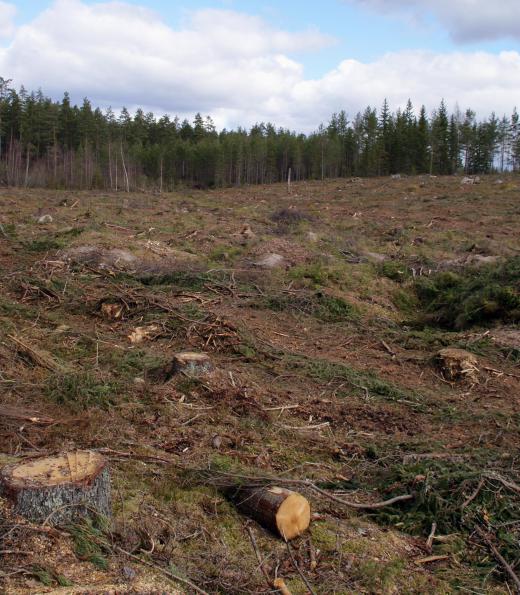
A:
(325, 367)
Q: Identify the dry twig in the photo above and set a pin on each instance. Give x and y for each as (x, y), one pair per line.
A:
(498, 556)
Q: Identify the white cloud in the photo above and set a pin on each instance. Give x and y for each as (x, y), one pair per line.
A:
(7, 14)
(235, 67)
(466, 20)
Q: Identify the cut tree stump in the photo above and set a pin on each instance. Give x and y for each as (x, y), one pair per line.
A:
(58, 489)
(284, 512)
(458, 364)
(191, 363)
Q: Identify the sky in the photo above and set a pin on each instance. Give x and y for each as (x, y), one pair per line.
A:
(293, 63)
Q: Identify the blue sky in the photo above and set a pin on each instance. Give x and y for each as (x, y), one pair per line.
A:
(334, 54)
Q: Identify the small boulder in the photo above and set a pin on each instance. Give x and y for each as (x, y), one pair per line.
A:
(312, 237)
(44, 219)
(458, 364)
(270, 261)
(375, 257)
(247, 233)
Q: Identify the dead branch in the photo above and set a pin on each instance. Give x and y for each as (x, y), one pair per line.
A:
(258, 556)
(508, 484)
(429, 541)
(166, 573)
(430, 559)
(474, 495)
(37, 356)
(499, 557)
(15, 413)
(298, 569)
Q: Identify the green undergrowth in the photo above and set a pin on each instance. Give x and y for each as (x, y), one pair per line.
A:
(318, 274)
(324, 307)
(49, 577)
(457, 496)
(90, 541)
(80, 390)
(475, 296)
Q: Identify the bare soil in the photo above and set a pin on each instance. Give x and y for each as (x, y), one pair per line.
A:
(298, 391)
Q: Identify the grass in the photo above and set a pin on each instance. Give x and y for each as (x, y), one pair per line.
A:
(363, 383)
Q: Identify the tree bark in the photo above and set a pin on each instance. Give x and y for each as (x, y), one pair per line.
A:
(284, 512)
(58, 489)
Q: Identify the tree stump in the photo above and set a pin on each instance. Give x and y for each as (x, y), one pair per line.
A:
(284, 512)
(60, 488)
(458, 364)
(191, 363)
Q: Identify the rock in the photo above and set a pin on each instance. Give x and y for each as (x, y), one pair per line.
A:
(473, 260)
(270, 261)
(128, 572)
(44, 219)
(479, 259)
(468, 181)
(247, 233)
(312, 237)
(396, 176)
(375, 257)
(191, 363)
(458, 364)
(101, 258)
(507, 337)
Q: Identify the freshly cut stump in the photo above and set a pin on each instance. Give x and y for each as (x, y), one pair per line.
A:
(284, 512)
(59, 489)
(191, 363)
(458, 364)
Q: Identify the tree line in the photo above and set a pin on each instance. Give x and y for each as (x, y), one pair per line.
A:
(46, 143)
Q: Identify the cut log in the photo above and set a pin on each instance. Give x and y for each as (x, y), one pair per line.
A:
(191, 363)
(58, 489)
(284, 512)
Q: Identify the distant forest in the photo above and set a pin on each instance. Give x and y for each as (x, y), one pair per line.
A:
(46, 143)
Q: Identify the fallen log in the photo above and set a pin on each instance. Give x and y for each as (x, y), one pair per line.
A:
(282, 511)
(58, 489)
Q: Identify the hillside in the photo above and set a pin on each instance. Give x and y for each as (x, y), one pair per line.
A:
(323, 312)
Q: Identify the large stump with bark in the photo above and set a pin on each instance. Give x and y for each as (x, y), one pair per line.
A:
(58, 489)
(284, 512)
